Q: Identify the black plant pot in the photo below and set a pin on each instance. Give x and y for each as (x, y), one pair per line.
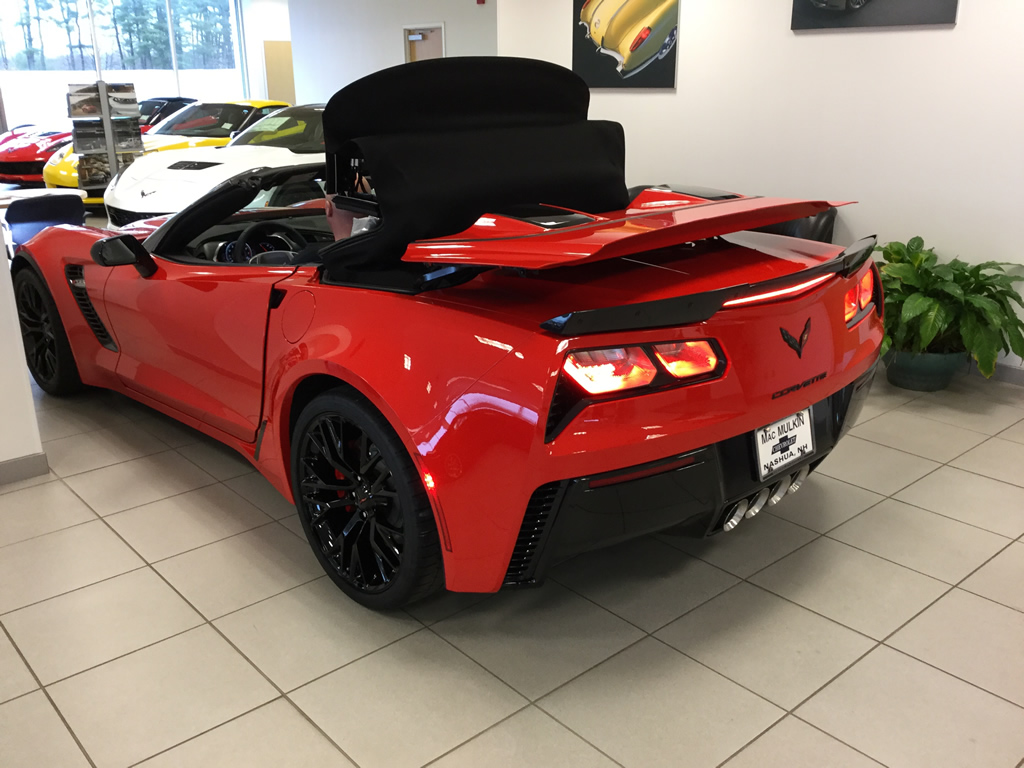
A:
(926, 372)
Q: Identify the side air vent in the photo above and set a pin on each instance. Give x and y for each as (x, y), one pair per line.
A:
(191, 165)
(75, 274)
(534, 530)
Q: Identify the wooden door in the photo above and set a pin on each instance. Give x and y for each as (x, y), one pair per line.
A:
(424, 43)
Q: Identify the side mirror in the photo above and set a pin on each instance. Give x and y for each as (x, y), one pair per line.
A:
(120, 250)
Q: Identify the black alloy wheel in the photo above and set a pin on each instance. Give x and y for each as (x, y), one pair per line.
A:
(47, 351)
(362, 504)
(36, 332)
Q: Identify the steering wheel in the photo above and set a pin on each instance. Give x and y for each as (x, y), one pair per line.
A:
(266, 228)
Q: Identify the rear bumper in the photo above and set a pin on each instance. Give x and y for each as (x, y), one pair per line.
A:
(690, 492)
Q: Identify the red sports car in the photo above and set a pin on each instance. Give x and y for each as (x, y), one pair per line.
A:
(497, 356)
(23, 155)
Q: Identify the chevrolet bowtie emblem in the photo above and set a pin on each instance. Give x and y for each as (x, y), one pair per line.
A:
(797, 345)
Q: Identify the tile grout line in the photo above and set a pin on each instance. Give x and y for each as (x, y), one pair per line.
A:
(61, 479)
(46, 693)
(647, 634)
(885, 639)
(535, 702)
(940, 514)
(209, 623)
(72, 591)
(878, 643)
(978, 431)
(491, 727)
(884, 642)
(918, 455)
(208, 730)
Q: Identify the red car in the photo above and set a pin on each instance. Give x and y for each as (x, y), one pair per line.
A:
(23, 155)
(513, 357)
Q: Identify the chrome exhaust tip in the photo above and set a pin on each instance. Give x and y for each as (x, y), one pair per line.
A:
(778, 491)
(739, 509)
(758, 503)
(799, 479)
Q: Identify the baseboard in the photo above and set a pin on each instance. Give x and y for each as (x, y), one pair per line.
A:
(1010, 374)
(23, 468)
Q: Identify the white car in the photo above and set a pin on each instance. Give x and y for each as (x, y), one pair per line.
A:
(162, 183)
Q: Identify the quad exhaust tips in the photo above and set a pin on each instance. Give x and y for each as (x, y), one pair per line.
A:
(770, 496)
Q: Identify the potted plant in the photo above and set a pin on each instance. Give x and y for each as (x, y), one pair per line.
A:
(936, 315)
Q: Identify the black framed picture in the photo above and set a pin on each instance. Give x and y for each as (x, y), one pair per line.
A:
(826, 14)
(625, 43)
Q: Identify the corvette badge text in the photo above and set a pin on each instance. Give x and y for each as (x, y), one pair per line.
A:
(798, 387)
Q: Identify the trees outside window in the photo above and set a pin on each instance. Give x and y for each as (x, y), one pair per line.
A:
(132, 34)
(44, 43)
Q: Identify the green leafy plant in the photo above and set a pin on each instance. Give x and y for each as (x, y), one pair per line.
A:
(951, 307)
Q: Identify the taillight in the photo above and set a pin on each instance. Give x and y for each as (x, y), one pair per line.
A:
(585, 4)
(686, 359)
(850, 304)
(601, 371)
(640, 39)
(867, 289)
(860, 296)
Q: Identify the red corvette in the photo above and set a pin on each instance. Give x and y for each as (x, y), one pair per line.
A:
(499, 356)
(23, 155)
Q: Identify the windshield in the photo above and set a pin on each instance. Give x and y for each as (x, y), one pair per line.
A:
(214, 121)
(299, 129)
(147, 107)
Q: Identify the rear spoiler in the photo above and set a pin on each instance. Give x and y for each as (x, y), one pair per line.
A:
(612, 238)
(699, 307)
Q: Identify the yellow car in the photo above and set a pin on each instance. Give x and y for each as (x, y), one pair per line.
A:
(633, 32)
(203, 124)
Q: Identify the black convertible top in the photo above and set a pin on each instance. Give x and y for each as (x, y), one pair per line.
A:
(447, 140)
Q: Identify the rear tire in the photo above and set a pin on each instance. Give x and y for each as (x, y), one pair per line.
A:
(362, 503)
(47, 350)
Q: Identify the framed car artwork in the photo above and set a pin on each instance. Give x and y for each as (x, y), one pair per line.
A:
(625, 43)
(826, 14)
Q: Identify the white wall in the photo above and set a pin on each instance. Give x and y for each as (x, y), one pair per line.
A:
(262, 20)
(337, 41)
(19, 431)
(924, 126)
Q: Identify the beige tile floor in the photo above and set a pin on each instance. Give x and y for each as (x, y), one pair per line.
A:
(159, 607)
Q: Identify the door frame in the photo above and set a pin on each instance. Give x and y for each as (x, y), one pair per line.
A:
(407, 28)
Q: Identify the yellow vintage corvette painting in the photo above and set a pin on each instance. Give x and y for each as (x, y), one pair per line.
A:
(635, 33)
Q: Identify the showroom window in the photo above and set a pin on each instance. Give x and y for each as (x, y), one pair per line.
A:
(47, 44)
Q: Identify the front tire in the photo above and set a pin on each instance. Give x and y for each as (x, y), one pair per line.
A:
(362, 503)
(47, 350)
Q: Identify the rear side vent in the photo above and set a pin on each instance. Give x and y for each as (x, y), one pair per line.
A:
(563, 405)
(191, 165)
(75, 274)
(532, 534)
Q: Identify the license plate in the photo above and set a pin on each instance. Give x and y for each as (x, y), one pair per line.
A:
(784, 442)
